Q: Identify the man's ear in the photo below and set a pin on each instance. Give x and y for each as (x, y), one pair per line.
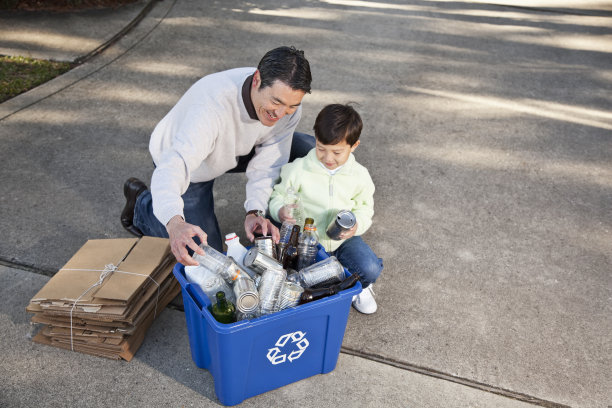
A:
(354, 146)
(256, 79)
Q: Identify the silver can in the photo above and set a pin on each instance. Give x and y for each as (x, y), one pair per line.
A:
(247, 297)
(259, 261)
(289, 295)
(267, 246)
(327, 271)
(269, 289)
(344, 221)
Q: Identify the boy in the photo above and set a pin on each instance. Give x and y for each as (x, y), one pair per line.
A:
(329, 179)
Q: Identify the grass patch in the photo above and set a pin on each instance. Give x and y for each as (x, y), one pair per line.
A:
(19, 74)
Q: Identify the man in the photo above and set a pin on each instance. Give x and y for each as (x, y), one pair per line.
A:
(235, 120)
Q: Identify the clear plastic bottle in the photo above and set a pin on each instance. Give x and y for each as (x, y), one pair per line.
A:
(307, 245)
(218, 263)
(209, 282)
(293, 201)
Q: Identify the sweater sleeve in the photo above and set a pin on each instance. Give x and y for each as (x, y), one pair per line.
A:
(364, 204)
(277, 199)
(264, 168)
(193, 141)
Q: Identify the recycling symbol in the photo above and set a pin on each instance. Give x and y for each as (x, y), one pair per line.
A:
(299, 343)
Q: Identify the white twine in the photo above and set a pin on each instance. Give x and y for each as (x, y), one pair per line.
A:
(108, 270)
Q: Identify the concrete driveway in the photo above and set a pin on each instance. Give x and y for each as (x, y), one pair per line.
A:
(487, 131)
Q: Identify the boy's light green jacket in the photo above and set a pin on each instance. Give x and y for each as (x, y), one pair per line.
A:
(324, 195)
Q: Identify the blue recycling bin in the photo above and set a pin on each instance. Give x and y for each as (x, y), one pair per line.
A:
(251, 357)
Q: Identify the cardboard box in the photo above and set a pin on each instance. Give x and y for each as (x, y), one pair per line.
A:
(92, 307)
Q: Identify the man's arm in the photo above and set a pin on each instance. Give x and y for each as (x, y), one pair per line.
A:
(263, 172)
(193, 139)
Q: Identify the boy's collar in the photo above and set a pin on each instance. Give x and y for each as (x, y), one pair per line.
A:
(312, 156)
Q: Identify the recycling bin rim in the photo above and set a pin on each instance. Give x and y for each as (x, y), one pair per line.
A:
(202, 301)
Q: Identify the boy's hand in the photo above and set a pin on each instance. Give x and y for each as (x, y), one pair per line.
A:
(349, 233)
(284, 214)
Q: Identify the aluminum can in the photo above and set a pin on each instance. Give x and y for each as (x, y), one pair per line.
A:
(266, 246)
(344, 221)
(269, 290)
(260, 262)
(327, 271)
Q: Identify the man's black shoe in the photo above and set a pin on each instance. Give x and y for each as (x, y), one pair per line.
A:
(131, 190)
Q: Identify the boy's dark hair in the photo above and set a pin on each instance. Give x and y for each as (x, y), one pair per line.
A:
(288, 65)
(336, 123)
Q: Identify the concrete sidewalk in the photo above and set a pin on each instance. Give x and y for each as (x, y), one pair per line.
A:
(488, 135)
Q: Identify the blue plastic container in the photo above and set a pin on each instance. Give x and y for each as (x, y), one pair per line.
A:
(251, 357)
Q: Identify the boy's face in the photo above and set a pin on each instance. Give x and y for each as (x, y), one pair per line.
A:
(334, 156)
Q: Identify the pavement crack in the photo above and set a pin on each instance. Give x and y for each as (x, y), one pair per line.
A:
(448, 377)
(12, 263)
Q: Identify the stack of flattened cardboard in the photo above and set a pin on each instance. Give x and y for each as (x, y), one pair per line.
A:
(102, 313)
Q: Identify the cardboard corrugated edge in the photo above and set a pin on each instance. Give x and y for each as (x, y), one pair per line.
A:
(129, 347)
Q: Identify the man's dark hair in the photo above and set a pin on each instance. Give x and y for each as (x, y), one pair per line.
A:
(336, 123)
(287, 65)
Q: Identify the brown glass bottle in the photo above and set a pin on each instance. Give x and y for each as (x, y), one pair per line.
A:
(313, 294)
(290, 252)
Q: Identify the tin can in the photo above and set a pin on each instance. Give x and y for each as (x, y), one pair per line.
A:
(269, 290)
(259, 261)
(266, 246)
(247, 297)
(327, 271)
(289, 295)
(344, 221)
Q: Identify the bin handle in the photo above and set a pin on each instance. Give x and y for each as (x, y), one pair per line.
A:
(198, 296)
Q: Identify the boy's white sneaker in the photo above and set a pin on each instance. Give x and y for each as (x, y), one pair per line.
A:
(364, 302)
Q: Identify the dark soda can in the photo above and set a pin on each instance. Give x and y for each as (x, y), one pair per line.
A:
(344, 221)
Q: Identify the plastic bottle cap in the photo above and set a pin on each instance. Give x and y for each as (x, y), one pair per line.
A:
(231, 235)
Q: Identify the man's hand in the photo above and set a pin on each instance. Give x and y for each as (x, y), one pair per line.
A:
(260, 225)
(181, 235)
(285, 213)
(349, 233)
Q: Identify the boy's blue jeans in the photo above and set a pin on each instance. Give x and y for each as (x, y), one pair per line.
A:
(199, 204)
(357, 256)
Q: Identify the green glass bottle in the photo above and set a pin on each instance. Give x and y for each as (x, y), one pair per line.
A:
(224, 311)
